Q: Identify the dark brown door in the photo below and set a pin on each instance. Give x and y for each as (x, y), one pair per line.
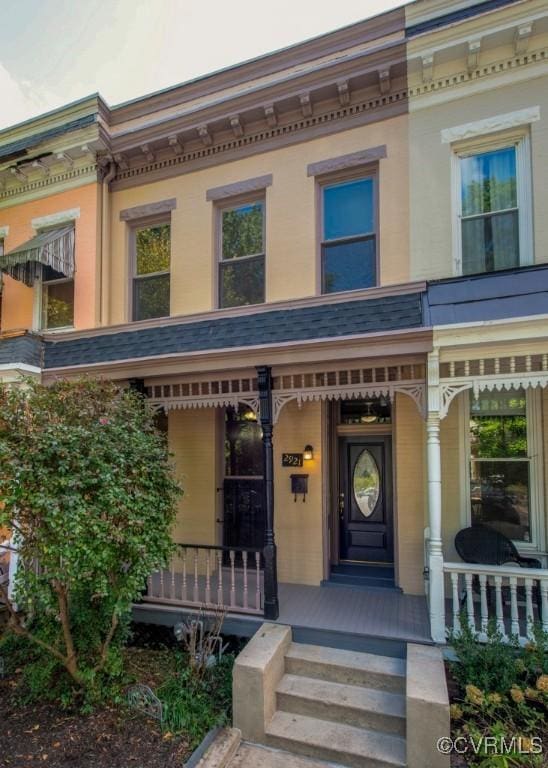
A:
(365, 500)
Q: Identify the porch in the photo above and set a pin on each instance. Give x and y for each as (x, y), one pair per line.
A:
(374, 619)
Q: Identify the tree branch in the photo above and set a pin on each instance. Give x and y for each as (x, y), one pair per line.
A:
(19, 629)
(71, 662)
(108, 639)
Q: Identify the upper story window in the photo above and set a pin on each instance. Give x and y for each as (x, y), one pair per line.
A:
(151, 276)
(56, 301)
(242, 254)
(495, 208)
(349, 241)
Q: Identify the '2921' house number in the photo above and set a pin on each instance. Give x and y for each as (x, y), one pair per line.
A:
(292, 459)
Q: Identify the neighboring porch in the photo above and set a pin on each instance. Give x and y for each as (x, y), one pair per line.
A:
(487, 431)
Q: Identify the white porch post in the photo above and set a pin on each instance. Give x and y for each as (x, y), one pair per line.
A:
(436, 596)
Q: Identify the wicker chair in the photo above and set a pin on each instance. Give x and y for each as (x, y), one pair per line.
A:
(483, 545)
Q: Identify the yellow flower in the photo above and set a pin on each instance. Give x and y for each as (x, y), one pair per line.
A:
(517, 694)
(494, 698)
(530, 693)
(456, 712)
(530, 647)
(542, 684)
(525, 744)
(474, 695)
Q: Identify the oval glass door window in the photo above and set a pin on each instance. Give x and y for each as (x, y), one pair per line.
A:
(366, 483)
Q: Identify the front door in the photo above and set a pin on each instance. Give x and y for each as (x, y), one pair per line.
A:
(244, 517)
(365, 500)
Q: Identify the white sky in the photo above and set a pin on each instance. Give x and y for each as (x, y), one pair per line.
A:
(56, 51)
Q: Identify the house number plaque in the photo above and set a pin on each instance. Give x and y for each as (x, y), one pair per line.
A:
(292, 459)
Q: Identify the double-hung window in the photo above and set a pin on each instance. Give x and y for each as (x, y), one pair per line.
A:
(349, 240)
(502, 469)
(56, 302)
(242, 254)
(151, 277)
(495, 208)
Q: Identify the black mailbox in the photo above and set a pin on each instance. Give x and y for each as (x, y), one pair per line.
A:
(299, 486)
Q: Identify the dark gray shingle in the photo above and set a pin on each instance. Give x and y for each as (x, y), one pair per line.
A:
(269, 327)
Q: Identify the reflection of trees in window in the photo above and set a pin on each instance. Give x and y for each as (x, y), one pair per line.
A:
(151, 284)
(499, 468)
(58, 304)
(243, 443)
(242, 275)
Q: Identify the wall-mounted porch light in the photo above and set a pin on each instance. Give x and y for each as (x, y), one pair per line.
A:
(308, 453)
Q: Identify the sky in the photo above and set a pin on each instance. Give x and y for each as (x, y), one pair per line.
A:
(56, 51)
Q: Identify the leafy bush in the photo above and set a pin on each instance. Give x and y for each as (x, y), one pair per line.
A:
(503, 692)
(193, 703)
(87, 490)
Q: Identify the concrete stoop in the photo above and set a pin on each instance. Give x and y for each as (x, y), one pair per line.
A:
(341, 707)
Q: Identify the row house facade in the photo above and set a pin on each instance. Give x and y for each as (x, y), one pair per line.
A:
(327, 269)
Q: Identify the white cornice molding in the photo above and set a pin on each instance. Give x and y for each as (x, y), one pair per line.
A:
(75, 177)
(4, 231)
(490, 125)
(62, 217)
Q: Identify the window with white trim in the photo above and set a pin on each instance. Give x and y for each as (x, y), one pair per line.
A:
(56, 302)
(494, 227)
(503, 466)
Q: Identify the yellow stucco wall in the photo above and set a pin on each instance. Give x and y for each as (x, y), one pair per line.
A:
(299, 525)
(291, 241)
(192, 440)
(411, 509)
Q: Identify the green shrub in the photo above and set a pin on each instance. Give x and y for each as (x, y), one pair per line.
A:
(503, 692)
(193, 704)
(86, 484)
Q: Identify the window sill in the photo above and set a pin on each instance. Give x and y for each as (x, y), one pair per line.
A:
(53, 331)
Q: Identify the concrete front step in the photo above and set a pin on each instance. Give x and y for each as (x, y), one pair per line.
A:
(255, 756)
(351, 668)
(349, 704)
(336, 742)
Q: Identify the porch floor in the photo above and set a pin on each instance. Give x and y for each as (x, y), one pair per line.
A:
(338, 614)
(378, 613)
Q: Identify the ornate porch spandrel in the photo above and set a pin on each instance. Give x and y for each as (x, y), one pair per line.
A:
(359, 379)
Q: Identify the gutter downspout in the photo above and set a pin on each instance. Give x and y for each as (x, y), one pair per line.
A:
(104, 282)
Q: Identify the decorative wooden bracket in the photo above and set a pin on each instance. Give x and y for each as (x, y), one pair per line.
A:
(205, 136)
(237, 127)
(344, 92)
(175, 144)
(270, 115)
(306, 104)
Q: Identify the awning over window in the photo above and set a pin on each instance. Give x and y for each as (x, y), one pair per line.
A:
(53, 248)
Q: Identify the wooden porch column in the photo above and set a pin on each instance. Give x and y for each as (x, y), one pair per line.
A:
(436, 591)
(271, 606)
